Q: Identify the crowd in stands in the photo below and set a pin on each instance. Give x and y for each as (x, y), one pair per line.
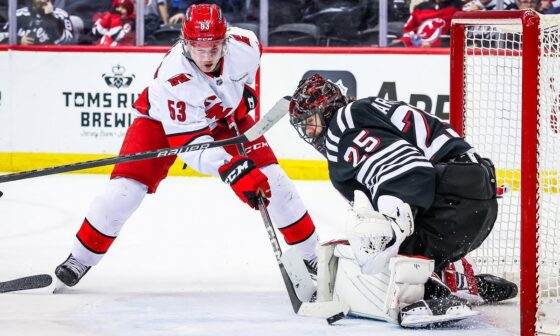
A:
(412, 23)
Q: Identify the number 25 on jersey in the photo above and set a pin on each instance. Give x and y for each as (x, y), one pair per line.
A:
(364, 141)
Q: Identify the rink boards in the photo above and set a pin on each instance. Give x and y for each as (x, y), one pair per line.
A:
(74, 104)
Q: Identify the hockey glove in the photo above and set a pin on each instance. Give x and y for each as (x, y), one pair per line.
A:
(246, 180)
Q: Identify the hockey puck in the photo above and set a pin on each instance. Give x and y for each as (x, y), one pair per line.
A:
(335, 317)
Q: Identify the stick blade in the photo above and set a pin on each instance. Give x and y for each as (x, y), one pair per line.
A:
(269, 119)
(327, 309)
(335, 318)
(25, 283)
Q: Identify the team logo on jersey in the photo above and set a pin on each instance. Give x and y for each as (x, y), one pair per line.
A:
(118, 79)
(214, 108)
(430, 30)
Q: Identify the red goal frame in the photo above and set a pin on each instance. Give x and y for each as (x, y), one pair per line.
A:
(529, 21)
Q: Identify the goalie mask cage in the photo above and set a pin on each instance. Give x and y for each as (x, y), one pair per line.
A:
(505, 101)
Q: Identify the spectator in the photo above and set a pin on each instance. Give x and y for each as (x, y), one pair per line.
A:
(86, 10)
(545, 6)
(41, 23)
(523, 4)
(428, 22)
(116, 27)
(479, 5)
(179, 7)
(3, 12)
(155, 15)
(553, 10)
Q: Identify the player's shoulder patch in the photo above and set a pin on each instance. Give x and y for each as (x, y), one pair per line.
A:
(242, 37)
(179, 78)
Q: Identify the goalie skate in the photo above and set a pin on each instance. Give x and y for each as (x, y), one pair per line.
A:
(480, 288)
(437, 311)
(494, 289)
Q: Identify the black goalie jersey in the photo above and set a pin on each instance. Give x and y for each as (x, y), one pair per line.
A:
(388, 148)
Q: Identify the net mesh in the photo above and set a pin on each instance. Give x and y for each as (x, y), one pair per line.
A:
(492, 121)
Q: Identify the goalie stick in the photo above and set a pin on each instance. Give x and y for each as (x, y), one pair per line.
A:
(263, 125)
(29, 282)
(332, 311)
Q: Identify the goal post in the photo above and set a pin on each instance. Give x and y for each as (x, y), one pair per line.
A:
(504, 99)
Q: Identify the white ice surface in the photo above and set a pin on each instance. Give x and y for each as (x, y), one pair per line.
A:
(192, 260)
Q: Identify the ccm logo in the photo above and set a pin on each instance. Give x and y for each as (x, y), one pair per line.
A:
(238, 171)
(256, 146)
(176, 151)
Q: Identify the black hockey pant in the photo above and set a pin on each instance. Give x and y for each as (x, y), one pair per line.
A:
(462, 214)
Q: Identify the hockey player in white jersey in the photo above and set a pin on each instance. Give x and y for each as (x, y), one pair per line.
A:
(202, 84)
(422, 199)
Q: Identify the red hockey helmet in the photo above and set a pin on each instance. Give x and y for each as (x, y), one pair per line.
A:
(204, 25)
(315, 95)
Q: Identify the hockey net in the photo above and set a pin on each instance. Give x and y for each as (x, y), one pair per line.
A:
(505, 100)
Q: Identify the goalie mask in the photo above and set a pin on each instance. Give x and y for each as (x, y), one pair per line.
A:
(315, 96)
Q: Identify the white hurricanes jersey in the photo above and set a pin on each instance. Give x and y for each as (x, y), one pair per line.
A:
(188, 101)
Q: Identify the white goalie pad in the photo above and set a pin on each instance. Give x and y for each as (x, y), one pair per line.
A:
(377, 296)
(406, 286)
(374, 237)
(304, 289)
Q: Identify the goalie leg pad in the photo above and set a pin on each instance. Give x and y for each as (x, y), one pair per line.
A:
(327, 265)
(381, 295)
(365, 294)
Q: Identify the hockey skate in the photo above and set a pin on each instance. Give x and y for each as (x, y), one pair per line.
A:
(437, 311)
(480, 288)
(494, 289)
(439, 307)
(311, 266)
(71, 271)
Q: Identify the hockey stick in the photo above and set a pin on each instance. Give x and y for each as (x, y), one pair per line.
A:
(29, 282)
(260, 127)
(332, 311)
(296, 302)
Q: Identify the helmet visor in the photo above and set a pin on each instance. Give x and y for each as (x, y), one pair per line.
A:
(204, 43)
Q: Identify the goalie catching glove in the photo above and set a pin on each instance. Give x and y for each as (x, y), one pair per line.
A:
(374, 237)
(246, 180)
